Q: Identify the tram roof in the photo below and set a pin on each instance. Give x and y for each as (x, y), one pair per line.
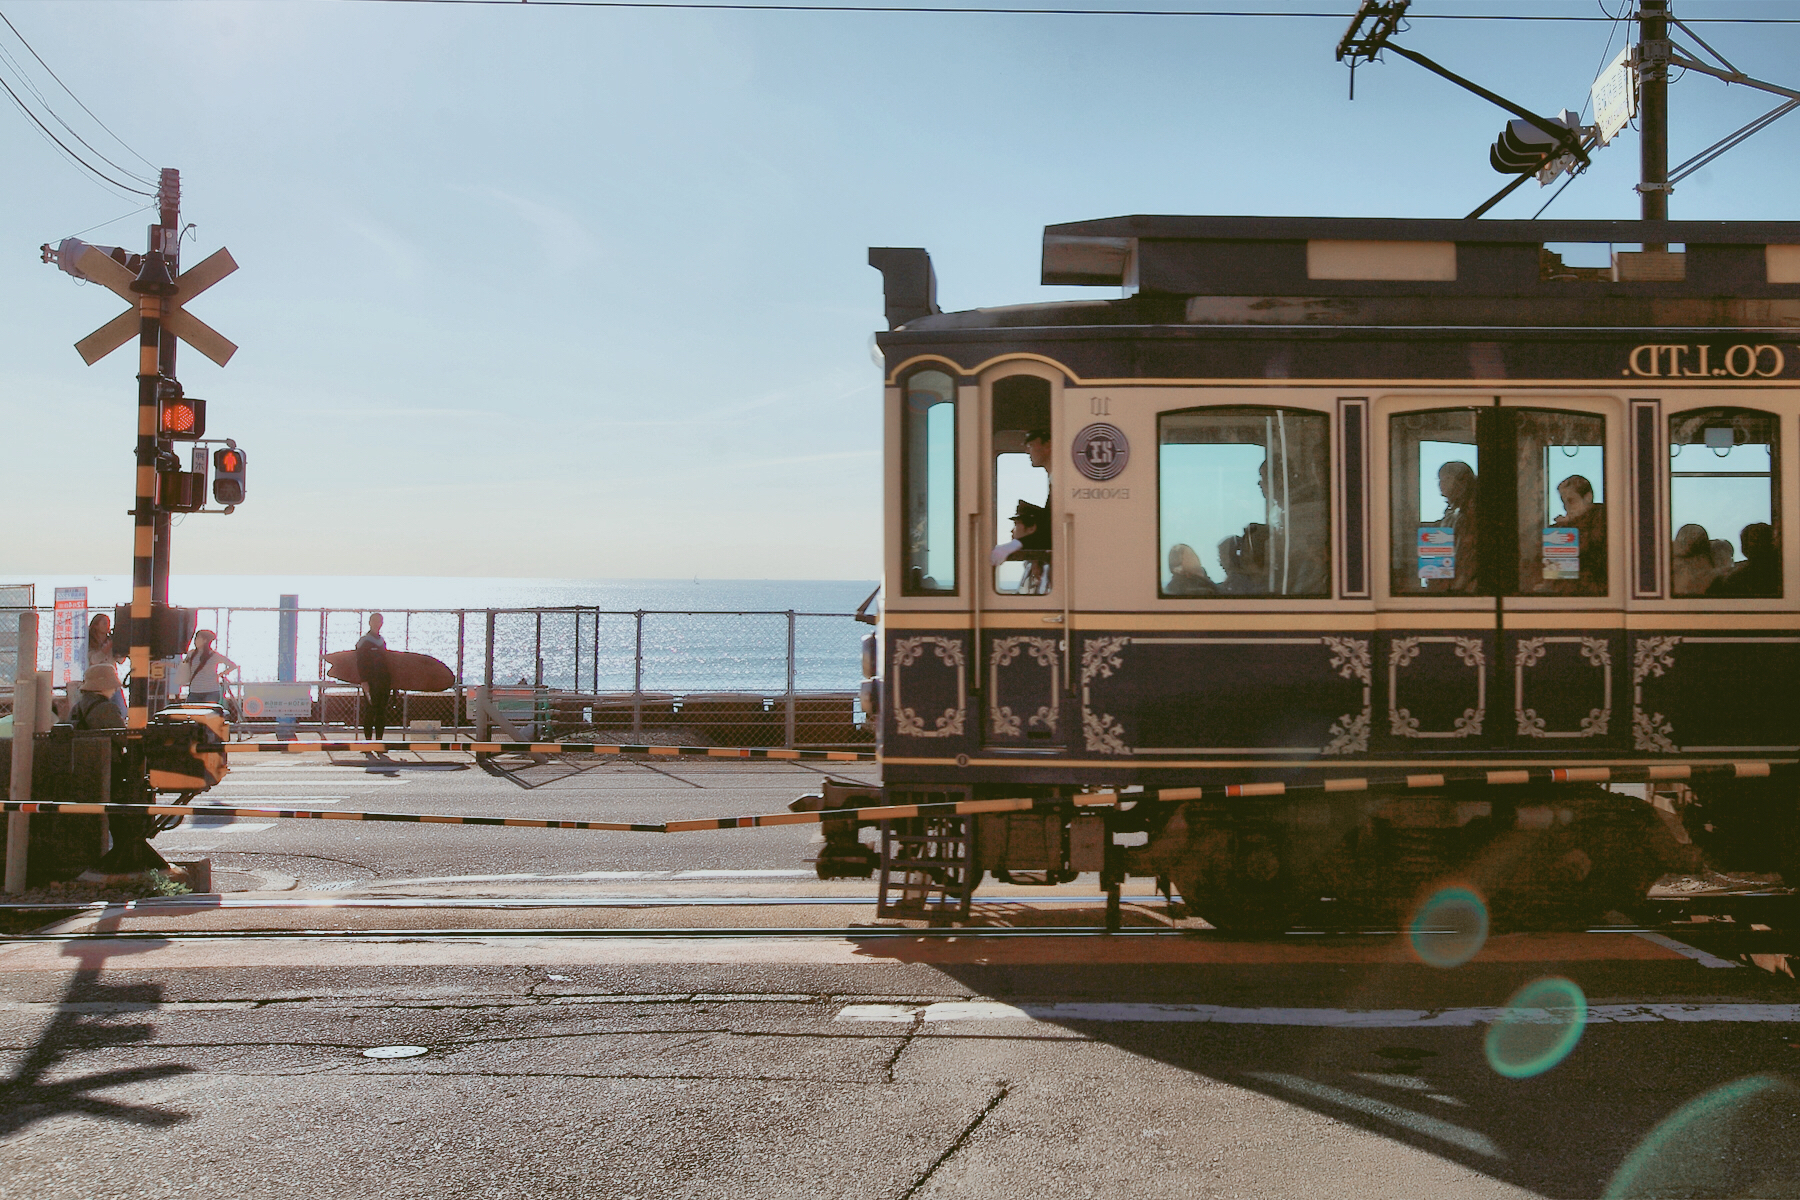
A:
(1219, 255)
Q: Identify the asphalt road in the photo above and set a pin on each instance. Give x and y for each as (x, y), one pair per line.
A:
(338, 855)
(171, 1053)
(781, 1068)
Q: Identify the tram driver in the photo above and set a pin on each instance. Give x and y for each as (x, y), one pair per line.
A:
(1030, 544)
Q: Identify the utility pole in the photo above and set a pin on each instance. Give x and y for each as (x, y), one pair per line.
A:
(1653, 111)
(165, 236)
(154, 283)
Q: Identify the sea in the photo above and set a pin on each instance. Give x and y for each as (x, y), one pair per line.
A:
(694, 635)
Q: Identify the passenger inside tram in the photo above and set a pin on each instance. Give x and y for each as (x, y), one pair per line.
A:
(1586, 574)
(1187, 575)
(1242, 557)
(1760, 572)
(1457, 483)
(1691, 567)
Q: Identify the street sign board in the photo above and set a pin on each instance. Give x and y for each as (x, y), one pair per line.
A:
(68, 637)
(1615, 97)
(265, 701)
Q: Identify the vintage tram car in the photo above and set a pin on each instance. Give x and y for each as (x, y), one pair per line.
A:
(1337, 558)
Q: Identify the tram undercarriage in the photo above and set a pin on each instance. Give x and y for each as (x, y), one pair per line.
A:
(1537, 856)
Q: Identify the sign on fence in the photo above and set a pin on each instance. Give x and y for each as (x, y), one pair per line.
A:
(68, 637)
(267, 701)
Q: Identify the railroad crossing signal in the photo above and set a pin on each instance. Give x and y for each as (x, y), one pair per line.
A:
(178, 417)
(95, 264)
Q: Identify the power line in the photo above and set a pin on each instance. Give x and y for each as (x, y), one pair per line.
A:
(73, 157)
(24, 81)
(1046, 12)
(77, 99)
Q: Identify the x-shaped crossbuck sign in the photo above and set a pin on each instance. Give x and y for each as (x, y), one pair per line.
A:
(98, 266)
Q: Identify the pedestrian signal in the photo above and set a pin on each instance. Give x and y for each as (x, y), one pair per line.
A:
(228, 476)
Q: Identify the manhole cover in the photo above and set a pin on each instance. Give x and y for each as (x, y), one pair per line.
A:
(395, 1052)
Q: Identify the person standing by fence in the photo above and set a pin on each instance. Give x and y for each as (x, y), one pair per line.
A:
(200, 670)
(377, 681)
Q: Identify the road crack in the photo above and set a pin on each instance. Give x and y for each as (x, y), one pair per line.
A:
(961, 1138)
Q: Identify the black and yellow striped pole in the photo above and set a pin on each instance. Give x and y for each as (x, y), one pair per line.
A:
(152, 286)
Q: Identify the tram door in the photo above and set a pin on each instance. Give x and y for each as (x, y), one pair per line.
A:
(1018, 579)
(1505, 589)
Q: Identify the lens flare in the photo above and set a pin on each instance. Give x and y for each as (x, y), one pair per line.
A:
(1538, 1028)
(1742, 1139)
(1450, 927)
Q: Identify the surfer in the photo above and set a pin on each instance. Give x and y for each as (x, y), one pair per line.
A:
(371, 664)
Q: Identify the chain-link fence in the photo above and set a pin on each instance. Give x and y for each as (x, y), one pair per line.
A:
(682, 677)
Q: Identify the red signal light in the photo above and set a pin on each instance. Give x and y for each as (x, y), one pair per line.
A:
(182, 418)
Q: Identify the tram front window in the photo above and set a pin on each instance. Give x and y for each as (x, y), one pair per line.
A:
(1021, 501)
(1723, 504)
(1562, 503)
(1244, 503)
(1435, 477)
(928, 483)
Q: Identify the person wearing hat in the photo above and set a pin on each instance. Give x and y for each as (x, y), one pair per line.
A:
(95, 708)
(1030, 542)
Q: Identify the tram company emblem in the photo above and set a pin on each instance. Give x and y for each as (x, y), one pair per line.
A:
(1101, 452)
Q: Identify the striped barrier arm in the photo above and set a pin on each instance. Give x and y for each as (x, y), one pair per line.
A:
(299, 747)
(1103, 799)
(305, 814)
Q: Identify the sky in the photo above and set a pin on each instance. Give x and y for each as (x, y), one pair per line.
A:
(532, 291)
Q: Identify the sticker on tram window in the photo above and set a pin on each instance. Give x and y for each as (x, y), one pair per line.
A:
(1437, 552)
(1562, 552)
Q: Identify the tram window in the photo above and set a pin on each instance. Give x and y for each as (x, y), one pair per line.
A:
(1434, 481)
(1562, 503)
(1244, 502)
(1723, 504)
(1021, 501)
(928, 473)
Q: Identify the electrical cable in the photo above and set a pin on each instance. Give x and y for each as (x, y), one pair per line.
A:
(1552, 200)
(24, 81)
(77, 99)
(74, 157)
(1043, 12)
(134, 212)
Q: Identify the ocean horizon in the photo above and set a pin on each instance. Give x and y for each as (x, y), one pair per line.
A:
(699, 646)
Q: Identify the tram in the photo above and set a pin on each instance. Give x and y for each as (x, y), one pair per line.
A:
(1341, 558)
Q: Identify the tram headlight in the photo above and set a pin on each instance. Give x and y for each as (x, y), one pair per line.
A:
(869, 653)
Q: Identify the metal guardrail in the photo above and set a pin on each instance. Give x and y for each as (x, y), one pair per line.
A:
(733, 677)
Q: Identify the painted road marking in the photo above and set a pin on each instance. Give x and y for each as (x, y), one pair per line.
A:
(1686, 951)
(629, 948)
(1432, 1127)
(1323, 1018)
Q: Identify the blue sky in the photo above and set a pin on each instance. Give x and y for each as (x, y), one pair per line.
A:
(529, 291)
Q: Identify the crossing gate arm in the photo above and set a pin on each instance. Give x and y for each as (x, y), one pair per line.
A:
(1100, 799)
(302, 747)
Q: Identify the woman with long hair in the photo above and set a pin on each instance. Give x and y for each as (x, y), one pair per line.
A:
(200, 670)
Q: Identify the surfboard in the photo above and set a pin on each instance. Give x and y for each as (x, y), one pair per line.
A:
(409, 670)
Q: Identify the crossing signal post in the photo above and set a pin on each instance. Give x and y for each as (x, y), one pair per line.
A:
(157, 290)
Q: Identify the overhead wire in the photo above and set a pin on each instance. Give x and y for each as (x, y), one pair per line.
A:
(705, 5)
(73, 157)
(24, 81)
(77, 99)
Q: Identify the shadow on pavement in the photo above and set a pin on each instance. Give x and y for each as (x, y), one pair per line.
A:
(84, 1023)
